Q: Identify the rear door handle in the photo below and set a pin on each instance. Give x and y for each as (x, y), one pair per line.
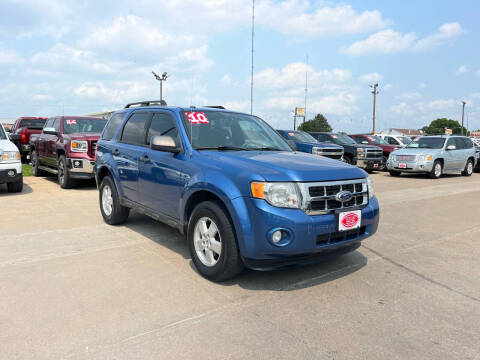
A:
(116, 152)
(144, 158)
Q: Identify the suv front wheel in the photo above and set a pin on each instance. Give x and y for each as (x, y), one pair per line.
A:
(113, 213)
(212, 243)
(437, 170)
(468, 171)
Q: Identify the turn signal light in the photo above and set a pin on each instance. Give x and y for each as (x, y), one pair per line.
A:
(258, 190)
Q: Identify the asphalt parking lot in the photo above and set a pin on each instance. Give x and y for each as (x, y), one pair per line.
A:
(73, 287)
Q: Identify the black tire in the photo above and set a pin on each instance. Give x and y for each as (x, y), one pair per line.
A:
(15, 187)
(394, 173)
(64, 179)
(369, 170)
(229, 262)
(383, 165)
(434, 174)
(34, 161)
(119, 213)
(468, 171)
(347, 159)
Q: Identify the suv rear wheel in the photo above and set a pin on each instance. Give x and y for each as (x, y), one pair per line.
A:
(34, 160)
(212, 243)
(468, 171)
(437, 170)
(113, 213)
(394, 173)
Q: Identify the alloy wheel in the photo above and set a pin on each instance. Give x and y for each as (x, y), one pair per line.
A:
(107, 200)
(207, 241)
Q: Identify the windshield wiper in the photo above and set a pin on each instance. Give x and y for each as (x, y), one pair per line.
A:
(221, 148)
(266, 148)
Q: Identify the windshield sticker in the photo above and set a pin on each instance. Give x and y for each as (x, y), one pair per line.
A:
(197, 118)
(71, 122)
(334, 136)
(291, 134)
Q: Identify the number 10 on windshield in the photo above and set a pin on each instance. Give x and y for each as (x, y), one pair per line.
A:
(197, 118)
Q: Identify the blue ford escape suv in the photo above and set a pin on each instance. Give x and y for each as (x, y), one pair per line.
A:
(234, 186)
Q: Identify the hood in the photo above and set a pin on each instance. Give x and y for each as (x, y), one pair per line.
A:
(414, 151)
(281, 165)
(389, 148)
(364, 146)
(328, 145)
(7, 145)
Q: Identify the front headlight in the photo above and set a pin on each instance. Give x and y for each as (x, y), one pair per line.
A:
(360, 152)
(371, 192)
(9, 156)
(79, 146)
(316, 150)
(284, 195)
(423, 158)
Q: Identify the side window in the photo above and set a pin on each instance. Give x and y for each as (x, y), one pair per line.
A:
(468, 143)
(49, 123)
(451, 141)
(391, 140)
(56, 124)
(460, 144)
(112, 126)
(358, 139)
(162, 125)
(134, 130)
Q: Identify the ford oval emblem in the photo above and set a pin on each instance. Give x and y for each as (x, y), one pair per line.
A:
(343, 196)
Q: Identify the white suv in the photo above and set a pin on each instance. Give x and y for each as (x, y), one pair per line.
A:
(397, 140)
(10, 163)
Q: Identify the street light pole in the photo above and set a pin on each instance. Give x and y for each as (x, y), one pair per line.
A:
(161, 79)
(374, 92)
(463, 113)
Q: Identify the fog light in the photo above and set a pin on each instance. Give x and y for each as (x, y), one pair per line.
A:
(11, 173)
(277, 236)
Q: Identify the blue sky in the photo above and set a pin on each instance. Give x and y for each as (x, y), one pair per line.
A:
(79, 57)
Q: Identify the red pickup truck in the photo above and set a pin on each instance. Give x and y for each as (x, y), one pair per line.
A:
(377, 141)
(21, 131)
(67, 147)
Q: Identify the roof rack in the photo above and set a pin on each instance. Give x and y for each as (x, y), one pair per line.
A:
(147, 103)
(215, 107)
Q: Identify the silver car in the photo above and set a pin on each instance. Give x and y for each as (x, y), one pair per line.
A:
(434, 155)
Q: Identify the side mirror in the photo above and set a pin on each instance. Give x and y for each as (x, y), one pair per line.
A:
(164, 143)
(451, 147)
(50, 130)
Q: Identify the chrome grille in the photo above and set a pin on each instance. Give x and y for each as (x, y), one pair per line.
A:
(320, 198)
(406, 158)
(374, 154)
(93, 145)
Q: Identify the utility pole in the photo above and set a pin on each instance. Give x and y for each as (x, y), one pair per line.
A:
(306, 89)
(374, 92)
(161, 79)
(463, 114)
(253, 38)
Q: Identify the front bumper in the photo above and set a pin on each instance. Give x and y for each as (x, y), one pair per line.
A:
(369, 164)
(5, 169)
(413, 166)
(312, 237)
(81, 168)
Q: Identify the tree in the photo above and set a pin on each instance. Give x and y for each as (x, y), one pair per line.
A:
(318, 124)
(438, 127)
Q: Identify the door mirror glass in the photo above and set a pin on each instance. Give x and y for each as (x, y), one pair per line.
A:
(164, 143)
(50, 130)
(451, 147)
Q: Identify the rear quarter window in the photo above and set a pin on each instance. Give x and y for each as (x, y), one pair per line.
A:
(112, 125)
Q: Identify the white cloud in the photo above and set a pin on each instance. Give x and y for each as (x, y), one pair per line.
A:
(410, 95)
(237, 105)
(10, 57)
(387, 87)
(372, 77)
(389, 41)
(422, 85)
(462, 70)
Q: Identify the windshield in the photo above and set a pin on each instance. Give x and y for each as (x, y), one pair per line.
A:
(224, 130)
(405, 139)
(32, 123)
(85, 125)
(3, 136)
(302, 136)
(343, 139)
(427, 143)
(377, 140)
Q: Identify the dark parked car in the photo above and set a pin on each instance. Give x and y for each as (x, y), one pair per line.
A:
(66, 147)
(377, 141)
(21, 131)
(367, 157)
(304, 142)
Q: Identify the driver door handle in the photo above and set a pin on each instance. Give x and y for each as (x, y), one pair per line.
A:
(144, 158)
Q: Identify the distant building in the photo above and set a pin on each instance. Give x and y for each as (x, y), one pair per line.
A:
(404, 132)
(475, 133)
(7, 123)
